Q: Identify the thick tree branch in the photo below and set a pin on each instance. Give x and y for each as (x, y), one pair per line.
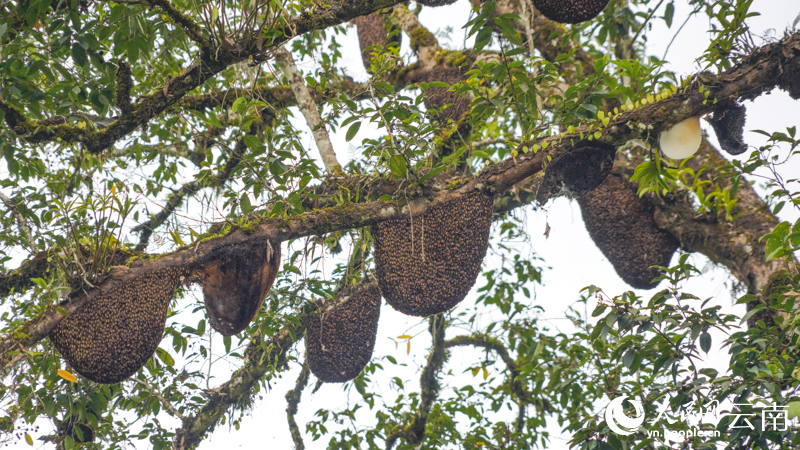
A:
(308, 107)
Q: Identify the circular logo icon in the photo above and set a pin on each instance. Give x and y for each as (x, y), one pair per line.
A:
(618, 421)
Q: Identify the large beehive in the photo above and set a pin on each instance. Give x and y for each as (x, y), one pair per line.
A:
(236, 281)
(577, 172)
(339, 342)
(623, 228)
(728, 124)
(427, 264)
(372, 31)
(111, 337)
(437, 96)
(570, 11)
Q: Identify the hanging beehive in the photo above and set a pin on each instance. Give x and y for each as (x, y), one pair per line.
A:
(236, 281)
(437, 96)
(570, 11)
(339, 341)
(577, 172)
(372, 31)
(427, 264)
(728, 124)
(113, 335)
(623, 228)
(435, 2)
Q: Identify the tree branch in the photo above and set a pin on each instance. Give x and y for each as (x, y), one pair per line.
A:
(22, 223)
(308, 107)
(292, 400)
(429, 387)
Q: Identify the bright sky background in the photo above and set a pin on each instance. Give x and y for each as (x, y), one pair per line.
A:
(572, 258)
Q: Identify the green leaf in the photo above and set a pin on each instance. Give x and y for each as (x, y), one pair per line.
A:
(705, 341)
(397, 164)
(627, 359)
(245, 203)
(669, 12)
(351, 132)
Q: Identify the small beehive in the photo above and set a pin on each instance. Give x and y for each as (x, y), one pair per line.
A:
(435, 2)
(372, 31)
(570, 11)
(728, 124)
(236, 281)
(436, 97)
(427, 264)
(623, 228)
(111, 337)
(339, 341)
(577, 172)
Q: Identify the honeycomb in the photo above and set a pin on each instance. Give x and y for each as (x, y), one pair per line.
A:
(236, 281)
(623, 228)
(427, 264)
(339, 341)
(112, 336)
(372, 31)
(570, 11)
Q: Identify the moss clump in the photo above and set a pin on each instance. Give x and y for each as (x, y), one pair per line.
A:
(624, 229)
(570, 11)
(339, 342)
(236, 281)
(427, 264)
(421, 37)
(113, 335)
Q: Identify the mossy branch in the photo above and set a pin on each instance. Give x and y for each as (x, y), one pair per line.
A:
(414, 433)
(192, 29)
(122, 93)
(292, 400)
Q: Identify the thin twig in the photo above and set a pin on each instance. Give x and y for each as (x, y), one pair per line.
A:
(21, 222)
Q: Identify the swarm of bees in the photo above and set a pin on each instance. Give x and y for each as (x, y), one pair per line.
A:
(570, 11)
(371, 32)
(426, 265)
(339, 341)
(624, 229)
(112, 337)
